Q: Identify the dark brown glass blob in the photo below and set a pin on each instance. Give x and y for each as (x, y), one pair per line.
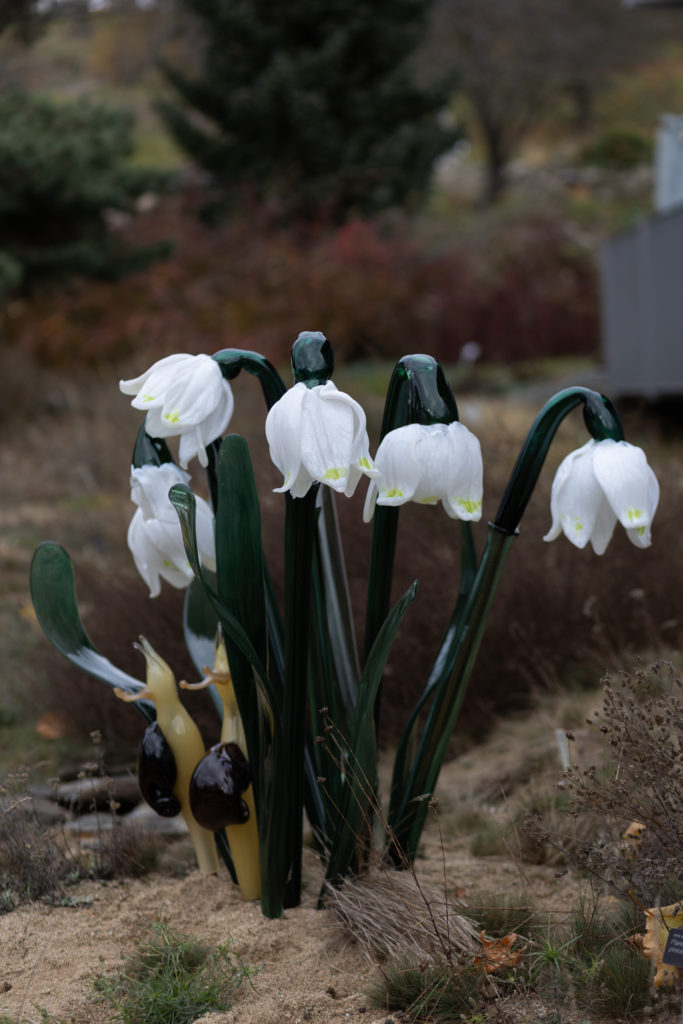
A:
(218, 780)
(157, 772)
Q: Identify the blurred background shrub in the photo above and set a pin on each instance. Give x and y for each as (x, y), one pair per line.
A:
(63, 176)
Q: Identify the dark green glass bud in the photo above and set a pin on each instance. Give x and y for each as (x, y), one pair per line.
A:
(312, 358)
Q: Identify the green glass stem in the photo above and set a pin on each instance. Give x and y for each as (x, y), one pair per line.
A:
(407, 821)
(441, 669)
(381, 572)
(232, 360)
(418, 392)
(602, 421)
(335, 602)
(300, 526)
(461, 644)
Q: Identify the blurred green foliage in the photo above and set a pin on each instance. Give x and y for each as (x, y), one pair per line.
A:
(63, 170)
(618, 150)
(311, 107)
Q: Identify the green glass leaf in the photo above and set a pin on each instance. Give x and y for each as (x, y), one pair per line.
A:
(441, 669)
(265, 741)
(200, 625)
(240, 585)
(408, 813)
(182, 498)
(53, 593)
(361, 766)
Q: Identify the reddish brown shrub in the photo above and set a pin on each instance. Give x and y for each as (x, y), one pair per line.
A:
(376, 291)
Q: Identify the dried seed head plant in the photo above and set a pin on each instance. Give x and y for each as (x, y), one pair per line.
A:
(636, 794)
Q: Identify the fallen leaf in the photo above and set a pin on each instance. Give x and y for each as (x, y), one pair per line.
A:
(632, 837)
(28, 612)
(497, 953)
(53, 725)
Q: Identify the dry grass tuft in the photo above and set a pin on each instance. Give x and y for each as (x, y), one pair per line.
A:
(393, 916)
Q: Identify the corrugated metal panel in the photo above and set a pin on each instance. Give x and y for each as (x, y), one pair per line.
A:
(642, 307)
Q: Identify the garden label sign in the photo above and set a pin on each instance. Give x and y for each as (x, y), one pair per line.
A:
(673, 951)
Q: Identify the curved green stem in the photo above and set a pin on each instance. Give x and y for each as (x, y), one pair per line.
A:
(232, 360)
(602, 421)
(459, 649)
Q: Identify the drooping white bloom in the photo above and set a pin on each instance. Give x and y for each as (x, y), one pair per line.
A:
(184, 396)
(318, 434)
(427, 464)
(154, 535)
(598, 484)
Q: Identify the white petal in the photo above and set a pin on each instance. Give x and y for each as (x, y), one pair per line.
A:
(641, 536)
(399, 465)
(575, 497)
(627, 481)
(158, 551)
(434, 458)
(194, 391)
(329, 425)
(603, 527)
(463, 499)
(150, 486)
(132, 386)
(140, 551)
(191, 445)
(153, 391)
(283, 433)
(370, 501)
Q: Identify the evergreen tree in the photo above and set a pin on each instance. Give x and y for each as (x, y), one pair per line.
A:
(63, 166)
(310, 105)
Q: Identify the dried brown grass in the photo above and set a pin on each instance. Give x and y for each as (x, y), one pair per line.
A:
(392, 915)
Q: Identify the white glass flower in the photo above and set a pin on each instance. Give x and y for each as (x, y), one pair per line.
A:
(318, 434)
(154, 535)
(427, 464)
(599, 483)
(184, 396)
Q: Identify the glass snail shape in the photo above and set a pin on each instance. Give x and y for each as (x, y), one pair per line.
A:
(300, 705)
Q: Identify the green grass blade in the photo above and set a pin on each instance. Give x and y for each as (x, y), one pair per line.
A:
(53, 592)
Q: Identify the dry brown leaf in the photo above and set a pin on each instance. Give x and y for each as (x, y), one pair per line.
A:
(497, 953)
(53, 725)
(632, 837)
(658, 923)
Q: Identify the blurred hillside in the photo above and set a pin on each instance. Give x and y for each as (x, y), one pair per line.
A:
(518, 278)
